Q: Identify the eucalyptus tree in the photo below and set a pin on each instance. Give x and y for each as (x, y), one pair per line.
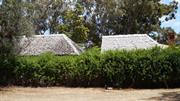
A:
(127, 16)
(13, 22)
(59, 16)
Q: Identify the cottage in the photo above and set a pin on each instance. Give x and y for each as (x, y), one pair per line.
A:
(58, 44)
(128, 42)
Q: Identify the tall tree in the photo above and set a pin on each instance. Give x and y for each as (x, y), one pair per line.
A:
(127, 16)
(59, 16)
(73, 24)
(45, 14)
(13, 22)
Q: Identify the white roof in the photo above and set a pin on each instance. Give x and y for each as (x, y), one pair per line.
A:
(128, 42)
(58, 44)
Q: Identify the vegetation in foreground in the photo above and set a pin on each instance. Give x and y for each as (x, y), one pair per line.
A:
(86, 21)
(141, 68)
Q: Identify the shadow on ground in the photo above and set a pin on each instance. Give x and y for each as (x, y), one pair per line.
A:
(168, 96)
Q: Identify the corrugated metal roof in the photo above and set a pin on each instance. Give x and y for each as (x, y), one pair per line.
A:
(128, 42)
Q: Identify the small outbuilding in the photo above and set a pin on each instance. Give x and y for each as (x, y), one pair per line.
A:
(128, 42)
(58, 44)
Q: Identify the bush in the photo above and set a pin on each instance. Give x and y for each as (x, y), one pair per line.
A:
(7, 65)
(154, 67)
(88, 69)
(45, 70)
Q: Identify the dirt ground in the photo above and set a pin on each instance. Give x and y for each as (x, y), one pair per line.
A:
(87, 94)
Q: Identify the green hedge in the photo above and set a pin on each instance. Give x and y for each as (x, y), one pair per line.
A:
(7, 65)
(139, 68)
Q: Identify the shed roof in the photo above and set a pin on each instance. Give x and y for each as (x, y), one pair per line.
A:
(128, 42)
(58, 44)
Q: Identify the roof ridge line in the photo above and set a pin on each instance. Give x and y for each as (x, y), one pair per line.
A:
(70, 42)
(127, 35)
(50, 35)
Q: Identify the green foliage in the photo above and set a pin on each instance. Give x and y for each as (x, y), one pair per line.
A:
(127, 16)
(7, 66)
(74, 25)
(45, 70)
(114, 64)
(154, 67)
(13, 22)
(6, 62)
(88, 68)
(58, 16)
(83, 20)
(174, 59)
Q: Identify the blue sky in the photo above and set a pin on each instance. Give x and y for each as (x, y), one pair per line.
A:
(175, 24)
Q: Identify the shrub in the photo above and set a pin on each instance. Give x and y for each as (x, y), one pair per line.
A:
(7, 65)
(88, 68)
(154, 67)
(113, 67)
(44, 70)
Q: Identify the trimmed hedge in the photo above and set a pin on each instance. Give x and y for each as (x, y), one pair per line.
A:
(139, 68)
